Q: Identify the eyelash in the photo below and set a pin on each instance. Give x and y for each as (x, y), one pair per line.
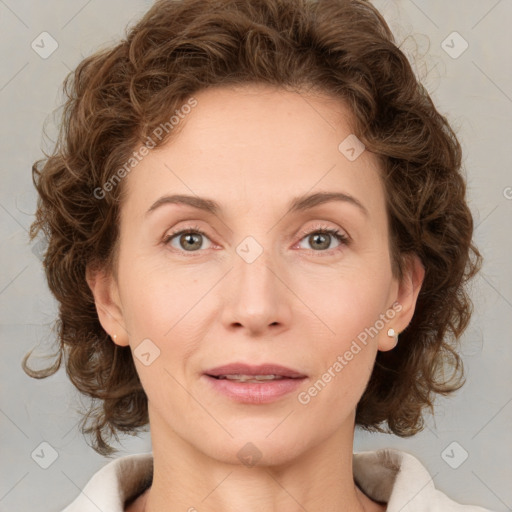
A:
(342, 238)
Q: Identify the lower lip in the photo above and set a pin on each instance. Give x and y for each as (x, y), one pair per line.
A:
(255, 392)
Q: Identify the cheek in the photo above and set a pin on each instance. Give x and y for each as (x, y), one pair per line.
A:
(161, 320)
(351, 308)
(348, 304)
(154, 300)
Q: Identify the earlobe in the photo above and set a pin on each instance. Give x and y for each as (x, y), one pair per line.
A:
(108, 305)
(406, 298)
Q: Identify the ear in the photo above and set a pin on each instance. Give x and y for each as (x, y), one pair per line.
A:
(405, 300)
(108, 305)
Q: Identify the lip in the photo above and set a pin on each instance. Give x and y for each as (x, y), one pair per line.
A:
(254, 392)
(262, 369)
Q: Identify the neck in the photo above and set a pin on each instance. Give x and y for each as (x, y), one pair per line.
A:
(316, 479)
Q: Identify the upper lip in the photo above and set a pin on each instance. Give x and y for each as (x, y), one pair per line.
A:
(246, 369)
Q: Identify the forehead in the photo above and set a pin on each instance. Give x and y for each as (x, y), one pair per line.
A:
(254, 145)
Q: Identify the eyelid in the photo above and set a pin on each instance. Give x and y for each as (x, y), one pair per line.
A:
(323, 227)
(188, 229)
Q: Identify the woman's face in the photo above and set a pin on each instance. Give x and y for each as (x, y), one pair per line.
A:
(261, 285)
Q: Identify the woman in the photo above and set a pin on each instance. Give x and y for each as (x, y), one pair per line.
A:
(259, 239)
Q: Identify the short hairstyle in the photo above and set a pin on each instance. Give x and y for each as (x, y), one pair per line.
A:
(117, 98)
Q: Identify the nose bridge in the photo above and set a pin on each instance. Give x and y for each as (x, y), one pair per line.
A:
(254, 267)
(257, 299)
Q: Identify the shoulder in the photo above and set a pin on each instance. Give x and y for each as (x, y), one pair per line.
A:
(399, 479)
(114, 484)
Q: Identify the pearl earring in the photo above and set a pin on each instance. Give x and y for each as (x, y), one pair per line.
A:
(115, 338)
(391, 333)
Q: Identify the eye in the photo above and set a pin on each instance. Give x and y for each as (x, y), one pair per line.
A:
(188, 239)
(321, 237)
(191, 239)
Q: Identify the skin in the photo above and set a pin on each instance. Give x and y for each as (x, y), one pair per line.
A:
(252, 149)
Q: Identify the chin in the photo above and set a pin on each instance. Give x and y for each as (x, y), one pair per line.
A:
(255, 447)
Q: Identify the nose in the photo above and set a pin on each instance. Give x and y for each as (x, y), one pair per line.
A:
(257, 299)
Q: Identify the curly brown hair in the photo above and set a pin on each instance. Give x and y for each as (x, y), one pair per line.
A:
(117, 97)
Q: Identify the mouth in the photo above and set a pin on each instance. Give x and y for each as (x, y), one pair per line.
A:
(251, 378)
(254, 384)
(264, 372)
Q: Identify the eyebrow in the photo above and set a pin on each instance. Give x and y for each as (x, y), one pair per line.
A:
(298, 204)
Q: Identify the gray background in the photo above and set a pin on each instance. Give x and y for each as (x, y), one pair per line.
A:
(474, 90)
